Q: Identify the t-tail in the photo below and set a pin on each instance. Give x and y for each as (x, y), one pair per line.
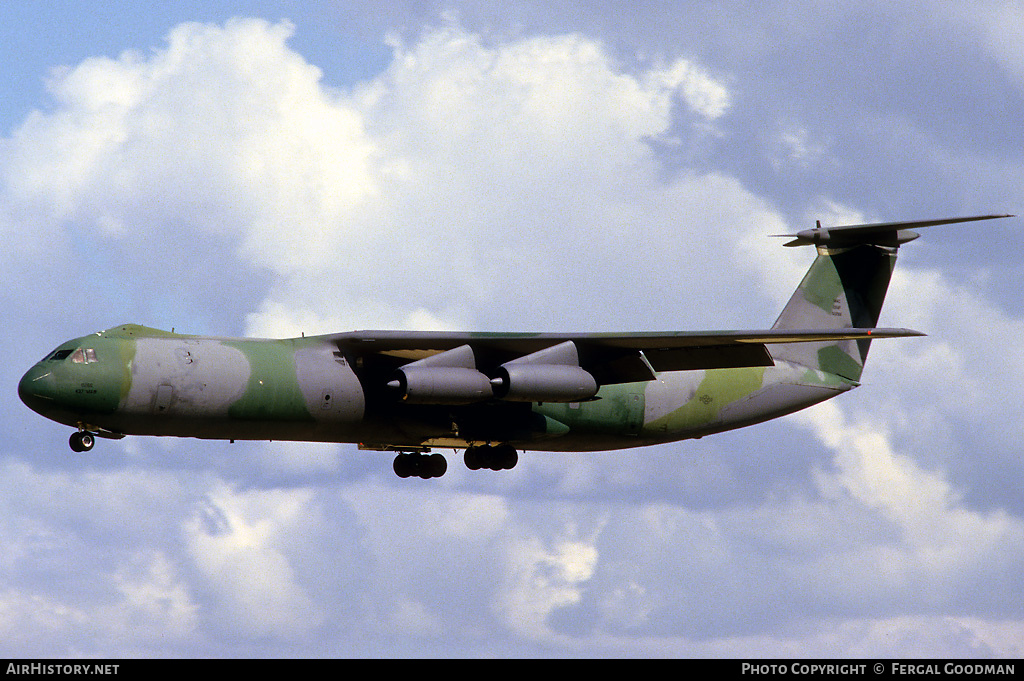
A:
(845, 287)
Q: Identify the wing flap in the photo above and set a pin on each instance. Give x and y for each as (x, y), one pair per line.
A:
(710, 357)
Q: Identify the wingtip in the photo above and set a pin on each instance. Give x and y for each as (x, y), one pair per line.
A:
(897, 333)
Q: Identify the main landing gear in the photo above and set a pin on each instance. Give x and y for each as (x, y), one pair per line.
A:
(408, 464)
(494, 457)
(420, 464)
(82, 441)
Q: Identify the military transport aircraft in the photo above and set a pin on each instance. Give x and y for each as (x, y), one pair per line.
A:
(491, 394)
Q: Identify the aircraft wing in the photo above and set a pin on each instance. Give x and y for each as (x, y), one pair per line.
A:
(611, 357)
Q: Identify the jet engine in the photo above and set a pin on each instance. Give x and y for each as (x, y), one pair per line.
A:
(441, 385)
(448, 377)
(543, 383)
(549, 375)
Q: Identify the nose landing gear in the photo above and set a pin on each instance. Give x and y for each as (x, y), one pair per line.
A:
(82, 441)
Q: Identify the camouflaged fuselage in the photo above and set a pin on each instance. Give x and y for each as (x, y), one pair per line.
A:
(142, 381)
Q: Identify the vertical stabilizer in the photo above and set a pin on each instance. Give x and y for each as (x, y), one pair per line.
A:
(845, 287)
(842, 289)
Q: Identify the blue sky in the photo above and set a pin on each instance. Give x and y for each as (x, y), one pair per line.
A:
(275, 168)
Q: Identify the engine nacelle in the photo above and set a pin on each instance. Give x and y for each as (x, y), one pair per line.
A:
(525, 382)
(441, 385)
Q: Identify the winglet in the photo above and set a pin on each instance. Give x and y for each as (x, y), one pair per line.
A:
(880, 234)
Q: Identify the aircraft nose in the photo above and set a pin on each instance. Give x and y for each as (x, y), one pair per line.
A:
(37, 389)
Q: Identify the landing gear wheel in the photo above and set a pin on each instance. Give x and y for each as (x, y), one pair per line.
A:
(402, 466)
(508, 457)
(425, 466)
(82, 442)
(438, 465)
(495, 457)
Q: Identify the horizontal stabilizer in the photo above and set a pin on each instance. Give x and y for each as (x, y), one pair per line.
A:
(879, 234)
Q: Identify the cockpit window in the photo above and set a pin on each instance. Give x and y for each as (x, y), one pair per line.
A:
(77, 355)
(83, 356)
